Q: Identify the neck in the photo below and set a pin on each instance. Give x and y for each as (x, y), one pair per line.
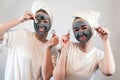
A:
(86, 47)
(41, 38)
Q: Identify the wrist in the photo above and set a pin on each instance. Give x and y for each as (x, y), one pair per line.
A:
(21, 19)
(106, 41)
(64, 51)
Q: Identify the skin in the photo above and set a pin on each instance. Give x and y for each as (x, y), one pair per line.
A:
(82, 31)
(107, 65)
(47, 67)
(42, 22)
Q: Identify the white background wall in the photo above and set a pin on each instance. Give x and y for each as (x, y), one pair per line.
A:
(62, 12)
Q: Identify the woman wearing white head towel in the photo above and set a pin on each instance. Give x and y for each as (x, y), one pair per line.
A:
(79, 61)
(30, 55)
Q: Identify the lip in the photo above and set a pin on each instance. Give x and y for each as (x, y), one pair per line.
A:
(83, 37)
(41, 29)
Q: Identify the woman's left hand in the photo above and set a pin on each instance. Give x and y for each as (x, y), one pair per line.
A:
(53, 41)
(103, 32)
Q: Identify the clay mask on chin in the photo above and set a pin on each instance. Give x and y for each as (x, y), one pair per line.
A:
(82, 35)
(42, 24)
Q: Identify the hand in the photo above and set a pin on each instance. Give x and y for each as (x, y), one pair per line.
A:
(53, 41)
(27, 16)
(65, 40)
(104, 33)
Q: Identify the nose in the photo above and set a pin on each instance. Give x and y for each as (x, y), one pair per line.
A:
(80, 33)
(41, 24)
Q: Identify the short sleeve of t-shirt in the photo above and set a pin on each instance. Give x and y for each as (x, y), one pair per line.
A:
(11, 35)
(100, 55)
(5, 39)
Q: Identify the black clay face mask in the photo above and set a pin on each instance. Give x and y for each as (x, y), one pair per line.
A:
(42, 24)
(82, 31)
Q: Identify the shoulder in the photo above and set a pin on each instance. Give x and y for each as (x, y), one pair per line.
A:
(16, 33)
(19, 32)
(98, 51)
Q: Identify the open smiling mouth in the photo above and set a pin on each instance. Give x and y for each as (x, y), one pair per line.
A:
(83, 37)
(41, 29)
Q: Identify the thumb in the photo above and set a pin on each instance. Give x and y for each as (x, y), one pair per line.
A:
(53, 35)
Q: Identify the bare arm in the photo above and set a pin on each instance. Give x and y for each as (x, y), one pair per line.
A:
(47, 66)
(12, 23)
(107, 65)
(60, 69)
(7, 25)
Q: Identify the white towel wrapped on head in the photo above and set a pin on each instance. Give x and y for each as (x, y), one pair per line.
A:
(90, 16)
(40, 4)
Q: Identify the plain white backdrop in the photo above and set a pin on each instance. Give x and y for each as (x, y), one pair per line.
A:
(62, 11)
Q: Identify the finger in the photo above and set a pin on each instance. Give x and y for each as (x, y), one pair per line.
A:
(69, 32)
(62, 38)
(30, 14)
(55, 41)
(99, 30)
(53, 35)
(96, 28)
(33, 17)
(66, 38)
(104, 33)
(55, 38)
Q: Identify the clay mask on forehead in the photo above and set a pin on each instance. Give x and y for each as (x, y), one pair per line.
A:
(82, 31)
(42, 24)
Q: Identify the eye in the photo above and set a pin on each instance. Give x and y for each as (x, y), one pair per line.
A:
(83, 27)
(75, 29)
(45, 21)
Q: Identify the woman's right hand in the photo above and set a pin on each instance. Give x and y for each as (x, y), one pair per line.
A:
(65, 40)
(27, 16)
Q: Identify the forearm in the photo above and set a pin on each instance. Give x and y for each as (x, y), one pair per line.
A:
(7, 25)
(47, 67)
(59, 71)
(108, 63)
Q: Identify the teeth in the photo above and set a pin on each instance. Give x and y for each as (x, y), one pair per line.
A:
(83, 37)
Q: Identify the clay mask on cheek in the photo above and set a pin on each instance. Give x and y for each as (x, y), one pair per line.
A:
(82, 35)
(42, 24)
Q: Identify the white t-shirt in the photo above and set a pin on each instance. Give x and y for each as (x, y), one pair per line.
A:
(80, 65)
(25, 55)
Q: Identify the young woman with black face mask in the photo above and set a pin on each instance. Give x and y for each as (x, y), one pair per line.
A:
(31, 56)
(80, 60)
